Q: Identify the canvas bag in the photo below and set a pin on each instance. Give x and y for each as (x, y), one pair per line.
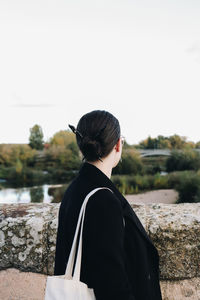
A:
(68, 287)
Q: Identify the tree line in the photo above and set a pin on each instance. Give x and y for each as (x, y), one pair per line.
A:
(59, 158)
(172, 142)
(160, 142)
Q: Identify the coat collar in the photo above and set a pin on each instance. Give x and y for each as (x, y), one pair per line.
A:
(96, 176)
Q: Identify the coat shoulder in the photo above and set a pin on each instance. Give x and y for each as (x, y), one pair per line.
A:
(104, 199)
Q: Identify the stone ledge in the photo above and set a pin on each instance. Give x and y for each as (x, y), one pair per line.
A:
(28, 237)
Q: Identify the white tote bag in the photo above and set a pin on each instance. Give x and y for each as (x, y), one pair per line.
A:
(66, 287)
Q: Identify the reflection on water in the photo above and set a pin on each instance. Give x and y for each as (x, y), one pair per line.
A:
(29, 194)
(37, 194)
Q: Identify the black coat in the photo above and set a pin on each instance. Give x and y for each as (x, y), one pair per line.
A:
(119, 263)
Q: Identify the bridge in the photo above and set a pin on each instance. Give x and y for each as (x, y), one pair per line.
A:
(158, 152)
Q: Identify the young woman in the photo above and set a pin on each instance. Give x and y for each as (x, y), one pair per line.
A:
(119, 261)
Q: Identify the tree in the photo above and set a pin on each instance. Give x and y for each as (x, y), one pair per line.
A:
(177, 142)
(36, 137)
(10, 153)
(197, 146)
(62, 157)
(150, 143)
(63, 138)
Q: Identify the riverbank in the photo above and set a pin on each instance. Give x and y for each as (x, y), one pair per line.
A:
(167, 196)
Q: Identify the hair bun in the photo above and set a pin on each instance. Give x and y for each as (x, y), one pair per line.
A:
(92, 147)
(100, 132)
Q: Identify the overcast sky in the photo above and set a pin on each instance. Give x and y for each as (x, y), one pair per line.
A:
(138, 59)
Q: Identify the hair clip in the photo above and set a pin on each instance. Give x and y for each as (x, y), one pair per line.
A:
(75, 130)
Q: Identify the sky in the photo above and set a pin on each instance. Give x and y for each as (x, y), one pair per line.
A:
(139, 60)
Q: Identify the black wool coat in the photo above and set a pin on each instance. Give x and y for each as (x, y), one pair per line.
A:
(119, 262)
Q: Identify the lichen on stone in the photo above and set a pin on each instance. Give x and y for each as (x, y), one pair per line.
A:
(28, 236)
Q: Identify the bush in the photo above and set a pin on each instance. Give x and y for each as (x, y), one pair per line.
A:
(12, 154)
(187, 184)
(37, 194)
(128, 184)
(189, 188)
(61, 157)
(26, 176)
(160, 182)
(57, 193)
(131, 163)
(61, 175)
(184, 160)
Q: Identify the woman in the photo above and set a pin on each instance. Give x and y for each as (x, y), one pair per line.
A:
(119, 262)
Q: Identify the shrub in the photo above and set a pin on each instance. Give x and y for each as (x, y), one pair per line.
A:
(37, 194)
(189, 188)
(131, 163)
(134, 184)
(184, 160)
(62, 157)
(160, 182)
(57, 193)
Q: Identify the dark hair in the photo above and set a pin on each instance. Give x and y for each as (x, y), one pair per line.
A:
(97, 133)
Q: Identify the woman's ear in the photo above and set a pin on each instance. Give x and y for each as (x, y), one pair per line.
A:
(117, 146)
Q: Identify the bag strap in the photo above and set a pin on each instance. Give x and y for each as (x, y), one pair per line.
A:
(69, 267)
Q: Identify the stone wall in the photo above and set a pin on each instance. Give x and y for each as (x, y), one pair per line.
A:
(28, 236)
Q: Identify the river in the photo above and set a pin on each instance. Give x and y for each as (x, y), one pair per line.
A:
(28, 194)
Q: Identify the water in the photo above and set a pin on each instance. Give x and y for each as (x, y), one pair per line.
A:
(162, 173)
(35, 194)
(27, 194)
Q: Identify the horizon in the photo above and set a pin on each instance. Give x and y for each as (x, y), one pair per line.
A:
(47, 141)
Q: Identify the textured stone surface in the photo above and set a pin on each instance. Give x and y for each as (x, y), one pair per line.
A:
(28, 236)
(175, 231)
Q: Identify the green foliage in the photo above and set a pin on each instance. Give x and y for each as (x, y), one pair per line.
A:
(62, 157)
(154, 164)
(37, 194)
(57, 193)
(189, 188)
(11, 153)
(128, 184)
(184, 160)
(26, 176)
(197, 146)
(18, 166)
(172, 142)
(174, 179)
(177, 142)
(160, 142)
(63, 151)
(160, 182)
(36, 138)
(30, 176)
(131, 163)
(61, 175)
(187, 184)
(151, 143)
(63, 138)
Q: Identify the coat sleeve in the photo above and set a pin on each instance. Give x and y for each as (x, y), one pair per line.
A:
(103, 232)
